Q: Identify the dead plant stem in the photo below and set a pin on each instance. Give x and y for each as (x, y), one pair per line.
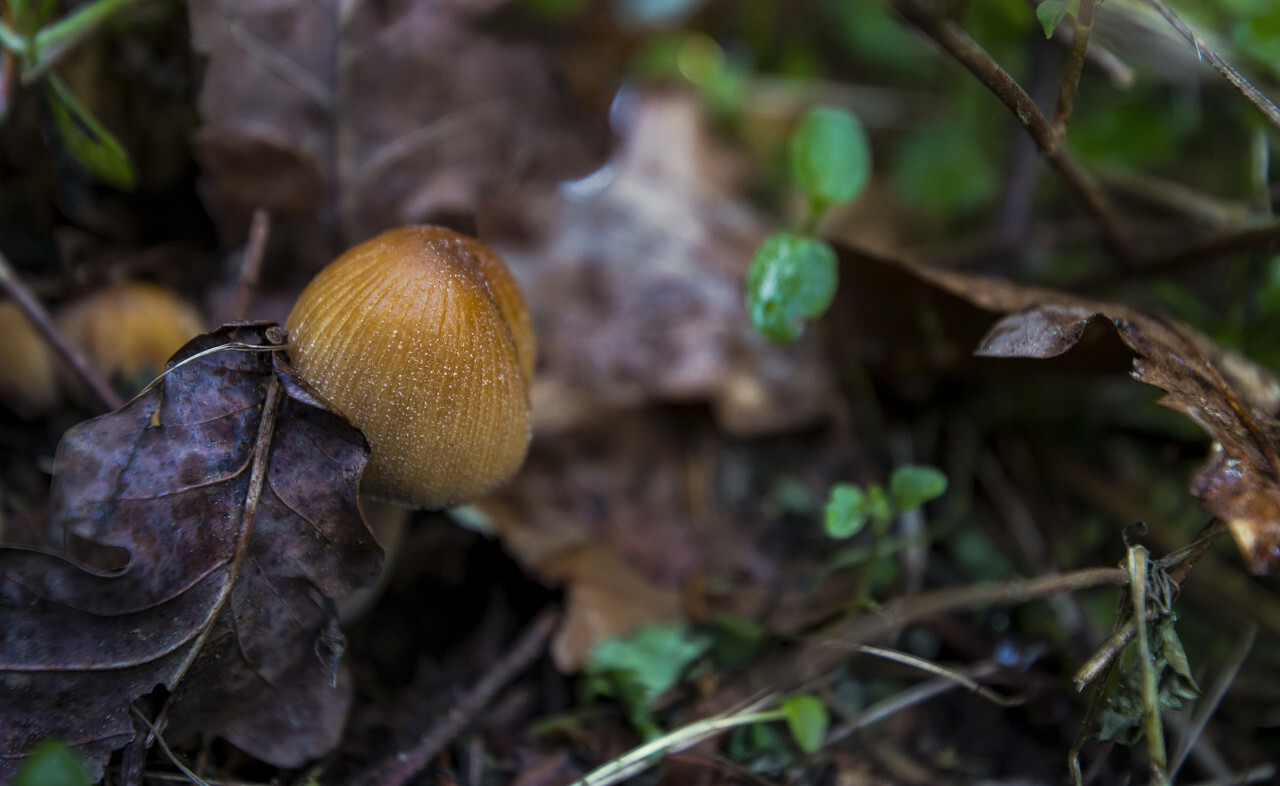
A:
(947, 33)
(1075, 65)
(39, 317)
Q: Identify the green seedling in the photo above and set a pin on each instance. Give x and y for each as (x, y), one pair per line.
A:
(792, 278)
(851, 506)
(635, 670)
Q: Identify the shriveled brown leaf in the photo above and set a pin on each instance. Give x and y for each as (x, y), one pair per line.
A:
(217, 545)
(1231, 398)
(636, 289)
(363, 116)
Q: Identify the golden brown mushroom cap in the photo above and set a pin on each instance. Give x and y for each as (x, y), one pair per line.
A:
(28, 369)
(420, 336)
(128, 331)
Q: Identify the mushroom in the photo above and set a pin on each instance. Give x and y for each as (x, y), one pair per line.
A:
(28, 369)
(421, 338)
(127, 332)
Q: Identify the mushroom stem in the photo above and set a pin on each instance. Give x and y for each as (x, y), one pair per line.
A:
(388, 522)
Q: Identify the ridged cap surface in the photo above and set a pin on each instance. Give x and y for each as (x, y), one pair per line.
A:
(421, 337)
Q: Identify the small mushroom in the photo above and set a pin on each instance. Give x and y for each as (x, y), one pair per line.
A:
(127, 332)
(28, 369)
(421, 338)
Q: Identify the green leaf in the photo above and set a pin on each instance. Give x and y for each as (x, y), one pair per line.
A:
(52, 763)
(830, 157)
(792, 279)
(1051, 13)
(90, 145)
(639, 668)
(807, 720)
(913, 485)
(878, 506)
(847, 511)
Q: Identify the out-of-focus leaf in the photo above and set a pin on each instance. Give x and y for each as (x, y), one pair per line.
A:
(1132, 131)
(830, 157)
(1259, 37)
(912, 485)
(1227, 395)
(944, 168)
(205, 549)
(89, 143)
(350, 118)
(847, 511)
(52, 763)
(792, 279)
(807, 720)
(668, 324)
(1052, 12)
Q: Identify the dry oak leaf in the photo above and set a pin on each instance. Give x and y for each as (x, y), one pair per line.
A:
(1229, 396)
(220, 511)
(365, 115)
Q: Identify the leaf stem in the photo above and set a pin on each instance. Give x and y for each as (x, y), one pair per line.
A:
(26, 300)
(1136, 565)
(1075, 65)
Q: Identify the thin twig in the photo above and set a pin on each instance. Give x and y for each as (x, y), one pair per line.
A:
(1260, 238)
(908, 698)
(1255, 96)
(35, 312)
(828, 648)
(952, 38)
(1212, 699)
(1075, 65)
(637, 760)
(251, 264)
(945, 673)
(400, 767)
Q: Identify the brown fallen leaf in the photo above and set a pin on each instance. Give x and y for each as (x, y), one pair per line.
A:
(219, 514)
(362, 116)
(1230, 397)
(636, 288)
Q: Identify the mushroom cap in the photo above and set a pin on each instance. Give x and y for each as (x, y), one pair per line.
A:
(421, 338)
(128, 331)
(28, 369)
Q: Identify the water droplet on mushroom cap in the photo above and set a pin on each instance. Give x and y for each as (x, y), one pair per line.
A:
(420, 336)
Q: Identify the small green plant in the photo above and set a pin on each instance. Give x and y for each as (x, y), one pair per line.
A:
(52, 763)
(793, 277)
(1052, 12)
(850, 506)
(37, 43)
(635, 670)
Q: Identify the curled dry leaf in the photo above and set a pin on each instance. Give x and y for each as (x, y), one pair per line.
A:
(212, 518)
(1230, 397)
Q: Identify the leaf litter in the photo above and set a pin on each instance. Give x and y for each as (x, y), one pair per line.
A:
(1233, 399)
(197, 538)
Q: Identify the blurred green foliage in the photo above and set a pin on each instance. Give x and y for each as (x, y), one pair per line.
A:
(52, 763)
